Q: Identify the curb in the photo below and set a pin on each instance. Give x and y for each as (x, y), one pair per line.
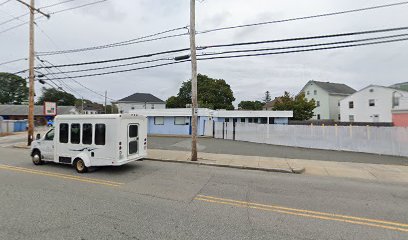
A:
(280, 170)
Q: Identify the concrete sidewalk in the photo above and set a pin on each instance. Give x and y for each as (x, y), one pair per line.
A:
(373, 172)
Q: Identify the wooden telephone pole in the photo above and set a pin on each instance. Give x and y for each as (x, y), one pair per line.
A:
(31, 73)
(193, 83)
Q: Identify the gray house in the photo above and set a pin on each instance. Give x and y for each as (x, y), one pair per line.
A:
(139, 101)
(327, 96)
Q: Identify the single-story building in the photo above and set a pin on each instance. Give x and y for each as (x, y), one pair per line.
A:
(178, 120)
(20, 112)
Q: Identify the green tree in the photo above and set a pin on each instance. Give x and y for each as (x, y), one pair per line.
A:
(174, 102)
(267, 97)
(250, 105)
(212, 93)
(13, 89)
(53, 95)
(301, 107)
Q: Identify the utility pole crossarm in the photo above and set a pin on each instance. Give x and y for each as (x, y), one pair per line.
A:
(34, 9)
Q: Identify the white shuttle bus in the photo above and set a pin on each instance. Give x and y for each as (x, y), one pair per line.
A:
(98, 140)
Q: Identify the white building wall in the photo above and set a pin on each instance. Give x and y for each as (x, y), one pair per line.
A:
(315, 92)
(362, 112)
(334, 107)
(126, 107)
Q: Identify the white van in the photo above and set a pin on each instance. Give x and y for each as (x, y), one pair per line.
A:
(97, 140)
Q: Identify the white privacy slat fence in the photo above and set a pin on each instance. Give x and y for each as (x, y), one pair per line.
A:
(379, 140)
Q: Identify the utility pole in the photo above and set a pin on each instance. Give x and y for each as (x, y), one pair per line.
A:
(31, 76)
(193, 83)
(106, 94)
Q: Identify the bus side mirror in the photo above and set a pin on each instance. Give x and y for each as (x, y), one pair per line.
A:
(38, 137)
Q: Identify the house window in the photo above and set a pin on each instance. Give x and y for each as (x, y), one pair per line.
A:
(100, 134)
(250, 120)
(308, 93)
(179, 120)
(226, 119)
(371, 90)
(338, 103)
(235, 120)
(318, 104)
(371, 102)
(318, 116)
(133, 108)
(63, 133)
(396, 102)
(152, 106)
(158, 120)
(243, 120)
(87, 133)
(75, 133)
(351, 104)
(315, 92)
(339, 117)
(255, 120)
(264, 120)
(351, 118)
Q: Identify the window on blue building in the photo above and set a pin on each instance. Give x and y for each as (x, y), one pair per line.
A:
(158, 120)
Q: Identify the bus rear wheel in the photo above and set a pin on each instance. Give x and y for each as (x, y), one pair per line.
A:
(79, 165)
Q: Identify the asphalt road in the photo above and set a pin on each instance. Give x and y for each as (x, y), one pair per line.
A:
(157, 200)
(211, 145)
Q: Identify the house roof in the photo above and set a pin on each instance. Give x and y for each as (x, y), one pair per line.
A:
(22, 110)
(141, 98)
(271, 103)
(334, 88)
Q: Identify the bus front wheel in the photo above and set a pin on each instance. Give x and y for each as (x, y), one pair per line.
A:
(79, 165)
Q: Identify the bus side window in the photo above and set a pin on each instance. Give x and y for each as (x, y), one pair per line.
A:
(75, 133)
(100, 132)
(87, 133)
(63, 134)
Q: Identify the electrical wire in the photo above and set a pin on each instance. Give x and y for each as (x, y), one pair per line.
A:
(304, 50)
(77, 82)
(308, 45)
(240, 56)
(240, 44)
(53, 13)
(304, 17)
(122, 59)
(122, 43)
(1, 4)
(12, 61)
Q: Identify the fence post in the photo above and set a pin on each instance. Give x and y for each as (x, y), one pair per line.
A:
(223, 132)
(351, 131)
(233, 130)
(368, 132)
(213, 129)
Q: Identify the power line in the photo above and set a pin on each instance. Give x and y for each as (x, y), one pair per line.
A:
(305, 50)
(25, 14)
(240, 56)
(124, 70)
(306, 38)
(122, 59)
(239, 44)
(122, 43)
(12, 61)
(60, 72)
(305, 46)
(303, 18)
(80, 6)
(1, 4)
(56, 12)
(115, 66)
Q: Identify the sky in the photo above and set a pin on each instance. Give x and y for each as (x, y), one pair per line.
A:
(119, 20)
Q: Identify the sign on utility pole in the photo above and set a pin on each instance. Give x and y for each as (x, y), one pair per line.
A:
(193, 83)
(31, 70)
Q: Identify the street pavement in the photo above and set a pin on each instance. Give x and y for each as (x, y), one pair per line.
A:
(220, 146)
(158, 200)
